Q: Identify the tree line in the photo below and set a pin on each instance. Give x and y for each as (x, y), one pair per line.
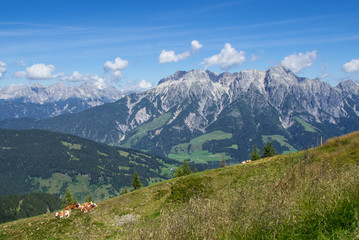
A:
(267, 151)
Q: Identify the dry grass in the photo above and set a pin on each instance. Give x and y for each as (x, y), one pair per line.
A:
(307, 201)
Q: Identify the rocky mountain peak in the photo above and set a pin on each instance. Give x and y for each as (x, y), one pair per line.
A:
(349, 86)
(280, 75)
(192, 75)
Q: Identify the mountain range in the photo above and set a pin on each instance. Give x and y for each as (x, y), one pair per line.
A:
(204, 116)
(40, 101)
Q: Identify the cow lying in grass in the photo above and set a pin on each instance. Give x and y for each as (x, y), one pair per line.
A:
(87, 207)
(63, 214)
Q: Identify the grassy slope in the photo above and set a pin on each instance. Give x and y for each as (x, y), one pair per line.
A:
(306, 195)
(195, 153)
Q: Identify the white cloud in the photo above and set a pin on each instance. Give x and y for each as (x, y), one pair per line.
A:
(38, 71)
(144, 84)
(75, 77)
(227, 58)
(196, 45)
(115, 66)
(171, 56)
(352, 66)
(297, 62)
(3, 69)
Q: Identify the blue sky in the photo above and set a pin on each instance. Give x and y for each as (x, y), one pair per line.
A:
(134, 44)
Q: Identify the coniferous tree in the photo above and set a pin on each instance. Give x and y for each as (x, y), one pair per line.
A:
(183, 170)
(255, 155)
(136, 183)
(186, 170)
(178, 172)
(268, 150)
(68, 198)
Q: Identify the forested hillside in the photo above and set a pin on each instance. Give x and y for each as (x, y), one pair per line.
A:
(42, 161)
(15, 206)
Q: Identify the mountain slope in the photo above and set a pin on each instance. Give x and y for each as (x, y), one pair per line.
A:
(312, 194)
(42, 161)
(205, 116)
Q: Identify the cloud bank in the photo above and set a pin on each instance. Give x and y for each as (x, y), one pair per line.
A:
(38, 71)
(297, 62)
(227, 58)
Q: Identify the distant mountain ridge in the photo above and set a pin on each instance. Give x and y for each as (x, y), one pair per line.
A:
(40, 101)
(38, 93)
(201, 115)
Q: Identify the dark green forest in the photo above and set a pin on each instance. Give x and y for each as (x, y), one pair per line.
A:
(15, 206)
(43, 161)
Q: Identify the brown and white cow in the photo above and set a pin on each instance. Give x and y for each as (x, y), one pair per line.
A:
(63, 214)
(91, 207)
(86, 207)
(72, 206)
(83, 206)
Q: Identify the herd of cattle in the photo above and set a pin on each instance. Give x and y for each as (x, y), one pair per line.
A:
(85, 207)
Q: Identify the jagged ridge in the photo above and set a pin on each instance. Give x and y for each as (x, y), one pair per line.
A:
(211, 113)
